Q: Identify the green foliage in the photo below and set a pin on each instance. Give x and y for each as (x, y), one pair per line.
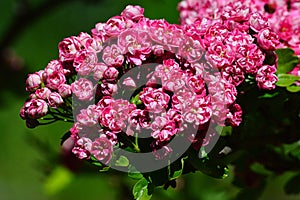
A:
(140, 190)
(285, 80)
(287, 60)
(122, 162)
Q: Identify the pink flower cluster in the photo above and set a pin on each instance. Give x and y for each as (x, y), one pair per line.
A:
(236, 36)
(272, 23)
(197, 69)
(48, 88)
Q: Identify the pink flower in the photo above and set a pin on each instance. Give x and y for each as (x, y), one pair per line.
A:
(76, 128)
(33, 82)
(64, 90)
(99, 70)
(98, 32)
(133, 12)
(238, 38)
(137, 43)
(35, 108)
(249, 58)
(110, 118)
(116, 25)
(69, 48)
(197, 84)
(102, 149)
(55, 100)
(42, 93)
(139, 119)
(83, 89)
(55, 79)
(112, 56)
(163, 128)
(108, 88)
(55, 65)
(267, 39)
(285, 29)
(91, 45)
(89, 116)
(234, 117)
(155, 100)
(220, 55)
(199, 112)
(191, 49)
(82, 148)
(116, 114)
(266, 77)
(84, 63)
(236, 11)
(110, 74)
(215, 34)
(258, 22)
(233, 74)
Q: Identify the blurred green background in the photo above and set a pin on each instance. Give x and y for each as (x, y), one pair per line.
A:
(30, 158)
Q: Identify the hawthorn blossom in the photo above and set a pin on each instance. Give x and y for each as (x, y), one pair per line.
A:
(34, 81)
(55, 79)
(84, 63)
(89, 116)
(35, 108)
(69, 48)
(55, 100)
(83, 89)
(112, 56)
(266, 77)
(42, 93)
(82, 148)
(64, 90)
(136, 43)
(133, 12)
(102, 149)
(267, 39)
(155, 100)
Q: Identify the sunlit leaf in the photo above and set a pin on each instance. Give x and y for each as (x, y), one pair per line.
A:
(140, 190)
(285, 80)
(293, 88)
(287, 60)
(122, 162)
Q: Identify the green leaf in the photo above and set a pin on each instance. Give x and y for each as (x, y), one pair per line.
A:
(104, 169)
(287, 60)
(285, 80)
(292, 186)
(268, 95)
(140, 190)
(175, 169)
(293, 88)
(136, 100)
(122, 162)
(134, 173)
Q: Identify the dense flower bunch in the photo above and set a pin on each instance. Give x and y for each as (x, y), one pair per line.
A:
(176, 95)
(238, 39)
(192, 85)
(271, 22)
